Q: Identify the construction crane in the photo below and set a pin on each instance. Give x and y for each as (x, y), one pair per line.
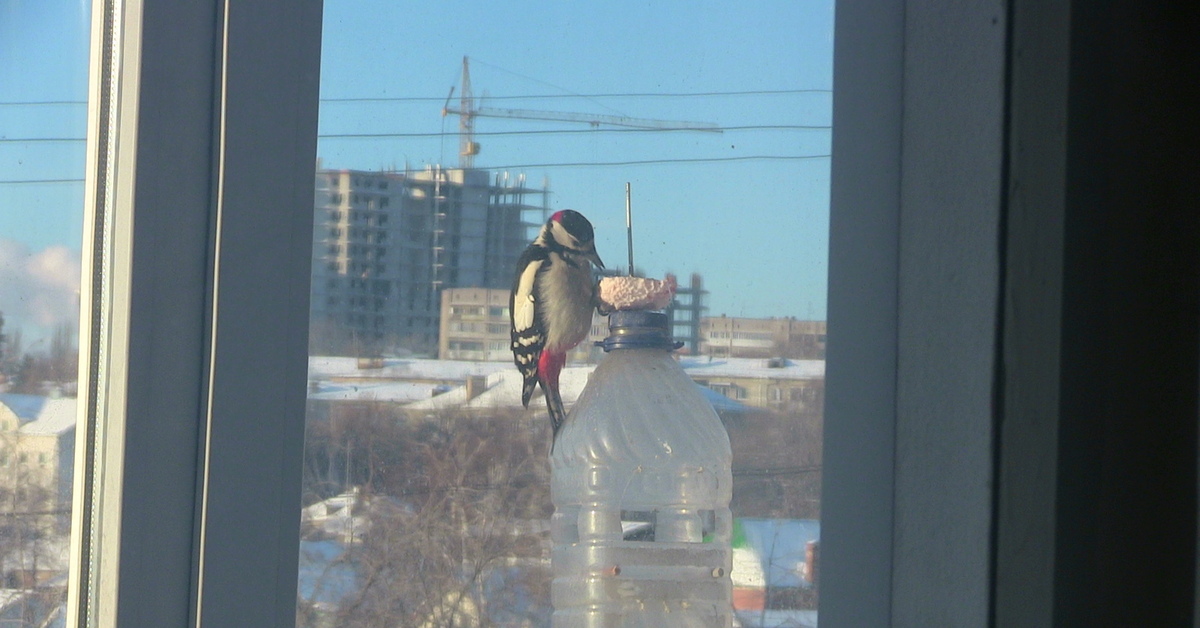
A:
(467, 111)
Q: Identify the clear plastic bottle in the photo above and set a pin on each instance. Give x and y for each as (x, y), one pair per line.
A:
(641, 483)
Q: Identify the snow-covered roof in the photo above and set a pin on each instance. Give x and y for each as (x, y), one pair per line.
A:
(774, 368)
(42, 415)
(325, 368)
(503, 390)
(346, 369)
(401, 392)
(398, 380)
(414, 382)
(26, 407)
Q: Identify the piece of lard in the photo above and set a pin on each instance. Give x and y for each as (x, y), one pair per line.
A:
(637, 293)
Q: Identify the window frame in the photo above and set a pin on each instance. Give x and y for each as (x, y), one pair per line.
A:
(194, 386)
(919, 150)
(193, 331)
(1008, 200)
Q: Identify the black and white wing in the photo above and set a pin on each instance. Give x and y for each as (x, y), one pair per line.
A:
(528, 331)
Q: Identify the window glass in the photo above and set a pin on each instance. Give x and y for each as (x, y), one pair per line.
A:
(448, 134)
(42, 125)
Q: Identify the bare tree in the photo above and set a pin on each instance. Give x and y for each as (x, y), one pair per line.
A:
(777, 464)
(30, 536)
(466, 500)
(32, 372)
(456, 506)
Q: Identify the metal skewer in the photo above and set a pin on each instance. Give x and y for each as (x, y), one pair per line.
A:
(629, 225)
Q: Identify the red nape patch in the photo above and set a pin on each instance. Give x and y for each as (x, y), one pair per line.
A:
(549, 366)
(557, 216)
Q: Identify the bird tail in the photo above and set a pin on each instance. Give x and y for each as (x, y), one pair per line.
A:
(557, 414)
(549, 367)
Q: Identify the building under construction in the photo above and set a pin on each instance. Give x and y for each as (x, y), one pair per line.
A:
(385, 244)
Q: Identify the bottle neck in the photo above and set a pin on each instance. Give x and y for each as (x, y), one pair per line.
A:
(639, 330)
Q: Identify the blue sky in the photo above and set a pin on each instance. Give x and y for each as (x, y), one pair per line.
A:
(756, 229)
(43, 58)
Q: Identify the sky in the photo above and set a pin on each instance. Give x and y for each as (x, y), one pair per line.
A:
(747, 208)
(43, 59)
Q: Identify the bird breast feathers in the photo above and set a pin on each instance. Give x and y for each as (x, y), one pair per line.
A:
(568, 298)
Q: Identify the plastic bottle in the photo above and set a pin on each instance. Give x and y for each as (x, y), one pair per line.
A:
(641, 483)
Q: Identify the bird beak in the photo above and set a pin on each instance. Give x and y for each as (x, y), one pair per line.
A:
(594, 257)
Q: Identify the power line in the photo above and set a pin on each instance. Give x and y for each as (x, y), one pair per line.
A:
(561, 90)
(352, 136)
(34, 513)
(577, 164)
(757, 92)
(28, 103)
(38, 140)
(797, 470)
(489, 487)
(647, 162)
(38, 181)
(366, 99)
(758, 127)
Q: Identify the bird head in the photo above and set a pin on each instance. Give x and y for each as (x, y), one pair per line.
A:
(573, 233)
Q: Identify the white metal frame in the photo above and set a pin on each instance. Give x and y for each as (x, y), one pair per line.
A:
(916, 208)
(201, 153)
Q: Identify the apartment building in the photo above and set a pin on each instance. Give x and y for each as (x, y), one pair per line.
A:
(736, 337)
(385, 245)
(37, 455)
(474, 325)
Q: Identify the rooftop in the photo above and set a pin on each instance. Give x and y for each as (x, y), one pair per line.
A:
(425, 384)
(41, 415)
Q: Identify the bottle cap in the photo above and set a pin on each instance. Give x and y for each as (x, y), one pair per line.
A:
(636, 329)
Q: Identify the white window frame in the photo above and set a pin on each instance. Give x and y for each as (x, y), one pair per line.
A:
(201, 152)
(916, 200)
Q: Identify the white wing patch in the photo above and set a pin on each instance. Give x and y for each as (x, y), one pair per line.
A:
(523, 301)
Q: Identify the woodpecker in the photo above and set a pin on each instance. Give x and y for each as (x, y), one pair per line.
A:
(551, 304)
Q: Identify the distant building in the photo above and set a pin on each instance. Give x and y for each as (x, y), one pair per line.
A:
(733, 337)
(385, 245)
(685, 313)
(776, 383)
(37, 446)
(37, 456)
(475, 325)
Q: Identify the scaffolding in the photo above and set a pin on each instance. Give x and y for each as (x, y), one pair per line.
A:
(388, 243)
